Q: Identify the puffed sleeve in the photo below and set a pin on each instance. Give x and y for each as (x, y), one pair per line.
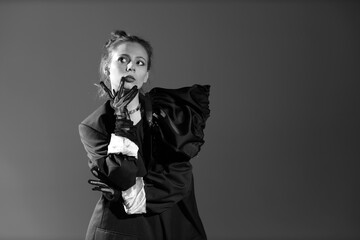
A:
(180, 116)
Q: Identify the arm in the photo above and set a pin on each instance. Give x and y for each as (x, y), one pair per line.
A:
(120, 169)
(167, 182)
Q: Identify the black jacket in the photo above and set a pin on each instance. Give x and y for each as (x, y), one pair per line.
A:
(168, 138)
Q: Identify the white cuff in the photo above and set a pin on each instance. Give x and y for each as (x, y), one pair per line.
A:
(134, 198)
(122, 145)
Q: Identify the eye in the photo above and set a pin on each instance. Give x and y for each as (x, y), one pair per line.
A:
(123, 59)
(141, 63)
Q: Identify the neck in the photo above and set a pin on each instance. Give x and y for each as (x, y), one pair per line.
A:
(136, 117)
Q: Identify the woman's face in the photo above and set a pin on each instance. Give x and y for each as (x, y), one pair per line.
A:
(129, 60)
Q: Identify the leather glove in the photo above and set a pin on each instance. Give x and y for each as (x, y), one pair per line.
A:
(119, 101)
(102, 184)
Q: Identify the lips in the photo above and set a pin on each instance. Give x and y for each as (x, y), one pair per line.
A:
(129, 79)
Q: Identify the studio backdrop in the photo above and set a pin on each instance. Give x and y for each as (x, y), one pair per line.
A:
(282, 146)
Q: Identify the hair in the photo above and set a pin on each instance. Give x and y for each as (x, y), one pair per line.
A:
(118, 37)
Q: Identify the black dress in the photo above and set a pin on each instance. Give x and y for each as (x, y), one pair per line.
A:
(168, 138)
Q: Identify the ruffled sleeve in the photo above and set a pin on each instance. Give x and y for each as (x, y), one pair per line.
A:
(180, 115)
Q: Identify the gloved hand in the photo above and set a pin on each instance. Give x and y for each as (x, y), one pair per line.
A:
(119, 101)
(103, 185)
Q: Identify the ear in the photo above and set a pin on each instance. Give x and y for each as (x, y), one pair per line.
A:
(146, 77)
(107, 71)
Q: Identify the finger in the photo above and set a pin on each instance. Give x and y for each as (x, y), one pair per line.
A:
(126, 98)
(95, 171)
(130, 95)
(96, 189)
(97, 183)
(104, 190)
(122, 83)
(118, 94)
(108, 190)
(106, 89)
(134, 92)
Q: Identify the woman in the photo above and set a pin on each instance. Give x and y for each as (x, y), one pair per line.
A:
(139, 147)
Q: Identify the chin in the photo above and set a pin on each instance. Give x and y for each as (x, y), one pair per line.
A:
(130, 85)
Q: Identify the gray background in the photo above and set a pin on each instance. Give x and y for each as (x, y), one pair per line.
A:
(281, 158)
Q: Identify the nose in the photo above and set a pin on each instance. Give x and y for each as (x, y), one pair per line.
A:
(129, 67)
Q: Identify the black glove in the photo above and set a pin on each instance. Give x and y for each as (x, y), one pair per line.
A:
(104, 185)
(119, 101)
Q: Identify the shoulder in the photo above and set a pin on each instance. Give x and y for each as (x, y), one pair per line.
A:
(101, 120)
(95, 131)
(180, 116)
(195, 97)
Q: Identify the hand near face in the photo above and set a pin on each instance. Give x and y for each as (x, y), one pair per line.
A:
(121, 98)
